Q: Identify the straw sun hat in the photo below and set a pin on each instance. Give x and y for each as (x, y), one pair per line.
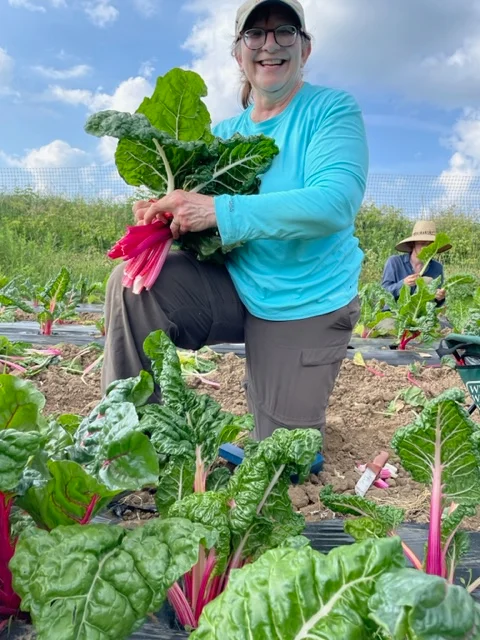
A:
(423, 231)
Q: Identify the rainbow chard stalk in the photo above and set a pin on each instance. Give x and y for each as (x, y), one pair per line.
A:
(442, 449)
(168, 144)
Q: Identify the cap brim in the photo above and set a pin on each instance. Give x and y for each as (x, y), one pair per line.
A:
(240, 26)
(405, 246)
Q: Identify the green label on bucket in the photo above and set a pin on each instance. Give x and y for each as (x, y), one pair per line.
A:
(474, 390)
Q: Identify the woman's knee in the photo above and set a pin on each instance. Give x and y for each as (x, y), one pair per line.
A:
(115, 280)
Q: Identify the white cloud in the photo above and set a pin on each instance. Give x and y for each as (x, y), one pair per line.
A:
(424, 51)
(466, 143)
(210, 42)
(6, 68)
(26, 4)
(147, 8)
(147, 68)
(76, 71)
(55, 154)
(57, 4)
(126, 97)
(101, 12)
(7, 65)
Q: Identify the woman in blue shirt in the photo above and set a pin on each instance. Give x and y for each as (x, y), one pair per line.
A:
(290, 290)
(406, 268)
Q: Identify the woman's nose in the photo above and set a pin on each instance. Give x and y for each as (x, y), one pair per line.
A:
(270, 42)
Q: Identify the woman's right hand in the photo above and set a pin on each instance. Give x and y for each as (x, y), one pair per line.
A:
(139, 209)
(410, 280)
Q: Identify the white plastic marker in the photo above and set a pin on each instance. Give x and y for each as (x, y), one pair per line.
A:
(371, 473)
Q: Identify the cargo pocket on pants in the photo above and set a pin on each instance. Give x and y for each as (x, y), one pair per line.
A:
(293, 386)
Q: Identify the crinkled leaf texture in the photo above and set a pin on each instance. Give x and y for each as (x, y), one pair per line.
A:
(168, 145)
(373, 521)
(136, 390)
(412, 604)
(65, 497)
(115, 450)
(301, 594)
(187, 427)
(20, 406)
(100, 581)
(443, 429)
(209, 509)
(262, 516)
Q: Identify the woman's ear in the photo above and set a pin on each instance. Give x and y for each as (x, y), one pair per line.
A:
(306, 51)
(238, 55)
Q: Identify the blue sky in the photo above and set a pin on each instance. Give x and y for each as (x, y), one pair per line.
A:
(414, 66)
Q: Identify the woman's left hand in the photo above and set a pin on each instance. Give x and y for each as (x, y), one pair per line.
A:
(190, 211)
(440, 295)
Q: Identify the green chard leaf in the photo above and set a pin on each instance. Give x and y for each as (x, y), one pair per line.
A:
(114, 449)
(66, 497)
(444, 432)
(20, 404)
(20, 407)
(373, 521)
(431, 250)
(303, 593)
(168, 145)
(55, 289)
(187, 429)
(211, 510)
(374, 298)
(176, 106)
(262, 515)
(167, 370)
(411, 604)
(99, 581)
(218, 479)
(136, 390)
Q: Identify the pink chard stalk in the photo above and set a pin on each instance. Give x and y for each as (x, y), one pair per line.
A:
(144, 248)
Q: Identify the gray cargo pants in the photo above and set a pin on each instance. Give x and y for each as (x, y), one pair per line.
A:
(291, 366)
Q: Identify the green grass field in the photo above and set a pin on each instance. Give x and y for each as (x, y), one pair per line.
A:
(39, 234)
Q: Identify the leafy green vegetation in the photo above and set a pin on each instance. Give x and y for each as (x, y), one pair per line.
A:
(42, 233)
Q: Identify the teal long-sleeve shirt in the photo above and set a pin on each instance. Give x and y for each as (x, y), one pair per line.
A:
(300, 257)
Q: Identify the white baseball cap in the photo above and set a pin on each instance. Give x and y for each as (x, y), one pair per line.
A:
(247, 7)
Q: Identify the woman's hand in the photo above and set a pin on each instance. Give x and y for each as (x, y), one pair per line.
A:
(410, 280)
(190, 211)
(440, 295)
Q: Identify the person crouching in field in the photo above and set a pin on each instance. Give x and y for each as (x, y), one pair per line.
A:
(405, 268)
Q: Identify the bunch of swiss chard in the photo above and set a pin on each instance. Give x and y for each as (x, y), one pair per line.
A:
(166, 145)
(441, 448)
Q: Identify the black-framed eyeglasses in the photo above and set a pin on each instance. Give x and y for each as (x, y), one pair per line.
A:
(285, 36)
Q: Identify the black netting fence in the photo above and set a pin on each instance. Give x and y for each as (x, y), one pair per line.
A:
(415, 195)
(54, 216)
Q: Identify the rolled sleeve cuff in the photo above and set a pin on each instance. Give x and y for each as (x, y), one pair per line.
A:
(224, 213)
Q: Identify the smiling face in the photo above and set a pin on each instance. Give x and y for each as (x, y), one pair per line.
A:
(273, 70)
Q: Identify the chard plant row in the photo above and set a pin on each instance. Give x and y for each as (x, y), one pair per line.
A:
(227, 549)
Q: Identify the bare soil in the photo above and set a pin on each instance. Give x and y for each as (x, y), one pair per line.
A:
(358, 424)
